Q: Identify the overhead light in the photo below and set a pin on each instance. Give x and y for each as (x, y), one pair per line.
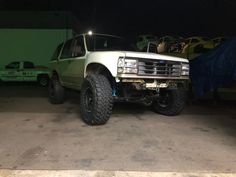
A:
(90, 32)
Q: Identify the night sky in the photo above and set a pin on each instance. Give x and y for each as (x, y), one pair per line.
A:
(159, 17)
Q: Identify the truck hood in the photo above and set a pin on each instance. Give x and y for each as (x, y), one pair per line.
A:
(153, 56)
(138, 55)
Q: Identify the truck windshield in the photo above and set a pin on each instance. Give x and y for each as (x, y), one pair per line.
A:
(105, 43)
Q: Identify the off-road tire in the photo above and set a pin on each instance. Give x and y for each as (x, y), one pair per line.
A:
(175, 102)
(43, 80)
(56, 91)
(96, 100)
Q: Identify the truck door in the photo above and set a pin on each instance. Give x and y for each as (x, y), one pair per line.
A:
(72, 61)
(76, 65)
(64, 61)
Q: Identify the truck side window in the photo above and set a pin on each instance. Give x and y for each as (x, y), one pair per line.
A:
(79, 49)
(67, 50)
(13, 65)
(57, 52)
(28, 65)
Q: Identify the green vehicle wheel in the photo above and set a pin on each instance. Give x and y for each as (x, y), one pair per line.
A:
(43, 81)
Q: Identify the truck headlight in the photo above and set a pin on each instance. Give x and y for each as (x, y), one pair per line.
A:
(130, 63)
(121, 63)
(127, 66)
(185, 69)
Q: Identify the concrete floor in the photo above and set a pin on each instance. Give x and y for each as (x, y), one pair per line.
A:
(37, 135)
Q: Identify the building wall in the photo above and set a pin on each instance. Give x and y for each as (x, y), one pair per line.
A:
(36, 45)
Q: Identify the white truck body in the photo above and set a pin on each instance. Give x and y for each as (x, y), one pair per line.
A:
(103, 71)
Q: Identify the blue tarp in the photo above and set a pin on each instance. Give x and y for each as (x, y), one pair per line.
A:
(214, 69)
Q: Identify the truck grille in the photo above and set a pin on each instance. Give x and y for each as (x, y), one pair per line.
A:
(159, 68)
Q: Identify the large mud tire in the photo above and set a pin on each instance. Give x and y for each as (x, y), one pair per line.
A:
(170, 102)
(56, 91)
(96, 100)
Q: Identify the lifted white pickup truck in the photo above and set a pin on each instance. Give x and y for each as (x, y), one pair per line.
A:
(24, 71)
(102, 68)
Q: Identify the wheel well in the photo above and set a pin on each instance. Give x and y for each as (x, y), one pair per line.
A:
(96, 68)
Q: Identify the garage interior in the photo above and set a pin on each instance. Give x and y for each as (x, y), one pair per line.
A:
(41, 139)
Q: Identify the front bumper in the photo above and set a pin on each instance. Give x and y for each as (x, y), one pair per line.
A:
(152, 82)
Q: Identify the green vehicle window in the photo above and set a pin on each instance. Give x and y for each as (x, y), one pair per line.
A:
(28, 65)
(13, 65)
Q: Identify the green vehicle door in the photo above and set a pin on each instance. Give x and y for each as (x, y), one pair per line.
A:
(29, 73)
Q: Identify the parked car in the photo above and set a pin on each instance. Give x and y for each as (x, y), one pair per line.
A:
(24, 71)
(197, 45)
(142, 41)
(101, 68)
(168, 44)
(219, 40)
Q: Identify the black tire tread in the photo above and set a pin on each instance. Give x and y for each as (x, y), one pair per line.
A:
(176, 106)
(59, 91)
(103, 100)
